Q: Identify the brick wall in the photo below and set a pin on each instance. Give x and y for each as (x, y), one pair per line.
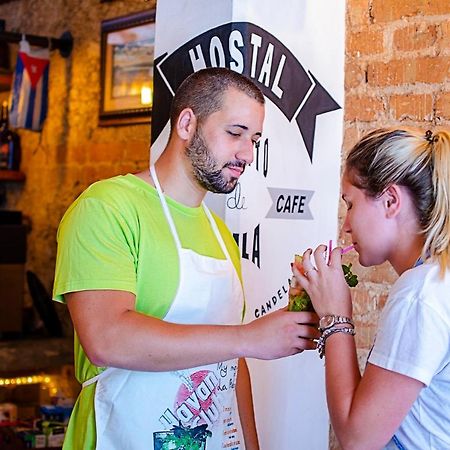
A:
(397, 72)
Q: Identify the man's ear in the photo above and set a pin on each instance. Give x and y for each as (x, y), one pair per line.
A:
(392, 200)
(186, 124)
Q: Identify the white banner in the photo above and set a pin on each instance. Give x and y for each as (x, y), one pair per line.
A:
(287, 199)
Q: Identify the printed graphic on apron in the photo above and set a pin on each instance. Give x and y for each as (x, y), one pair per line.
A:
(199, 405)
(231, 440)
(180, 437)
(196, 401)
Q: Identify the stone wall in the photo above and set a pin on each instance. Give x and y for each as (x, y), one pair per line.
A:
(72, 150)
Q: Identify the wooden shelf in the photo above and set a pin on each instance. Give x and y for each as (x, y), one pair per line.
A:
(12, 175)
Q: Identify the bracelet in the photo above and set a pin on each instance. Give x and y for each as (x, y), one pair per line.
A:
(327, 333)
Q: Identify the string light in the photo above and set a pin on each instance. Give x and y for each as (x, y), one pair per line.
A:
(30, 379)
(47, 381)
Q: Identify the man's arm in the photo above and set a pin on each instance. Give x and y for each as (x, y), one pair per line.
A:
(113, 334)
(245, 406)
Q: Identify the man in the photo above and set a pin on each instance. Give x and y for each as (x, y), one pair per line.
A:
(152, 282)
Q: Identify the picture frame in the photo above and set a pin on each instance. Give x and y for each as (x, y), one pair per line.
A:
(126, 81)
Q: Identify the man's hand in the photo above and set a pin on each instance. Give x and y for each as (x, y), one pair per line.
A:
(281, 333)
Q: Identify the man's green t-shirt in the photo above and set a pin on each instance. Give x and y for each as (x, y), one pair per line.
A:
(115, 236)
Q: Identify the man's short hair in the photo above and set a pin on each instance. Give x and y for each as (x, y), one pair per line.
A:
(203, 92)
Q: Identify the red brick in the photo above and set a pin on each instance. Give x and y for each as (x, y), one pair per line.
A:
(357, 13)
(433, 69)
(415, 37)
(381, 301)
(384, 74)
(365, 42)
(443, 106)
(387, 11)
(444, 39)
(363, 108)
(417, 107)
(355, 74)
(409, 70)
(365, 335)
(437, 8)
(383, 274)
(363, 301)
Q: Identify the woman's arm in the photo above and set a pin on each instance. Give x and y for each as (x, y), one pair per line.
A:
(365, 411)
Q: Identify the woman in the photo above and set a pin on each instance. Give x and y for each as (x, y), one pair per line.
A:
(396, 187)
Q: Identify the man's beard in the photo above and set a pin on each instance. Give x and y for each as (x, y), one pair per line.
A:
(206, 169)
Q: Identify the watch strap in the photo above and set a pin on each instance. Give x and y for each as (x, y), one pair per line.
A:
(335, 320)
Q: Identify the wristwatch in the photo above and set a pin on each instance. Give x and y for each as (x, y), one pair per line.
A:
(329, 320)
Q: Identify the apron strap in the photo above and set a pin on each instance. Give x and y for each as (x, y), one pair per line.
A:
(216, 232)
(165, 207)
(169, 218)
(95, 378)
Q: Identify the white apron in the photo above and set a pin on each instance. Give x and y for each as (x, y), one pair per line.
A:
(194, 407)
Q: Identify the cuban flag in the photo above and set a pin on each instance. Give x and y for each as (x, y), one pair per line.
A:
(29, 94)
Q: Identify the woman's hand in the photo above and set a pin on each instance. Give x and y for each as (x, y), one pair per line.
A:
(325, 284)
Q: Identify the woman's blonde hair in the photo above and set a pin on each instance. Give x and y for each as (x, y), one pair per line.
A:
(421, 163)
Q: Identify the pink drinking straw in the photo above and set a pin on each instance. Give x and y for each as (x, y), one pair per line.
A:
(343, 251)
(347, 249)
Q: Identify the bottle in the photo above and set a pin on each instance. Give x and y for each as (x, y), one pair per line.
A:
(9, 142)
(4, 149)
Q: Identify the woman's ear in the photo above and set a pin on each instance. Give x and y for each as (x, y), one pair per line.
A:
(186, 124)
(392, 200)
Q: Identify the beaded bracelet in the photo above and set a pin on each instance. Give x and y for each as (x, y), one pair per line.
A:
(327, 333)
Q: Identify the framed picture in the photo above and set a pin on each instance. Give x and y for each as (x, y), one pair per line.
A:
(127, 53)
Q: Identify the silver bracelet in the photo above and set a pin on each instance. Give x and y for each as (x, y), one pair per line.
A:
(327, 333)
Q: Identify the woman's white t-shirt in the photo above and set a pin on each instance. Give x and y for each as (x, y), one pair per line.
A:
(414, 339)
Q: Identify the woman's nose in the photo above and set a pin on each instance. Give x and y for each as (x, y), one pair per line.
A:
(346, 228)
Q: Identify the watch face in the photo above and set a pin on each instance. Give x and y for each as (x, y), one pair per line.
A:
(326, 321)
